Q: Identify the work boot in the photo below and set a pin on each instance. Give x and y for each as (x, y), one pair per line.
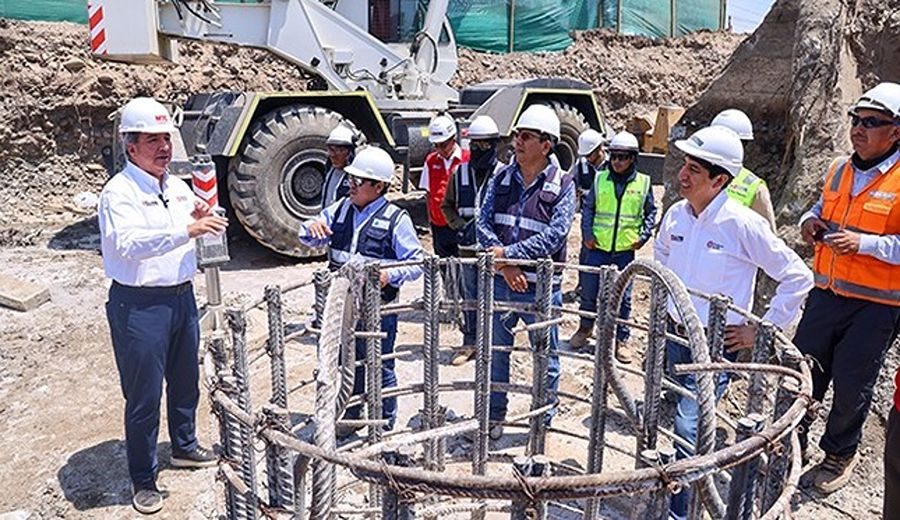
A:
(147, 500)
(579, 340)
(623, 353)
(463, 356)
(199, 458)
(833, 473)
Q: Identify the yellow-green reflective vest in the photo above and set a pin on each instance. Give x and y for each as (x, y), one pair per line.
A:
(618, 221)
(743, 188)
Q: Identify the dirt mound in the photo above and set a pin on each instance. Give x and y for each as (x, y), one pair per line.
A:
(58, 99)
(631, 75)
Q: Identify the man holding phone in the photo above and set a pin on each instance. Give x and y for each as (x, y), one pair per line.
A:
(852, 315)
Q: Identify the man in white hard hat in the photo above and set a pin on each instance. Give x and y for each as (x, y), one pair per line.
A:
(591, 159)
(148, 220)
(366, 227)
(527, 213)
(617, 218)
(460, 206)
(852, 316)
(439, 165)
(340, 144)
(747, 188)
(715, 246)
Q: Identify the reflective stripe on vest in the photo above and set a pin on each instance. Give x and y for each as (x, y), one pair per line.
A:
(875, 211)
(743, 188)
(615, 219)
(466, 191)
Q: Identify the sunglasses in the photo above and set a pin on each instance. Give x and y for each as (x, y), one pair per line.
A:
(359, 181)
(481, 145)
(525, 135)
(621, 156)
(871, 122)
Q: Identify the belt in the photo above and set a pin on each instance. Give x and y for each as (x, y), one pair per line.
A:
(156, 290)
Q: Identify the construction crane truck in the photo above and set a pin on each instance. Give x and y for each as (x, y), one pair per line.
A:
(382, 67)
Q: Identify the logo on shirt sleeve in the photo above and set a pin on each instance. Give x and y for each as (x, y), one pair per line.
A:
(676, 238)
(715, 246)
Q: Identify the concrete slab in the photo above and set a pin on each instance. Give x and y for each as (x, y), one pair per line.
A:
(21, 295)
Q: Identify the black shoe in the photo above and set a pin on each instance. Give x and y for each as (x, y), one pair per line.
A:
(147, 500)
(199, 458)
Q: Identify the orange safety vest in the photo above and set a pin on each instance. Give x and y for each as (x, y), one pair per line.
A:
(876, 211)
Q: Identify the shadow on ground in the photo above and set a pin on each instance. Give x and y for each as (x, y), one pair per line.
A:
(97, 476)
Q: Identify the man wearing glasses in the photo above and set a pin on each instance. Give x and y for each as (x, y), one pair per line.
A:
(617, 218)
(439, 165)
(526, 214)
(365, 226)
(851, 316)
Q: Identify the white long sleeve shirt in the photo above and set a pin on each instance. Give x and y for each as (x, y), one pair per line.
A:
(719, 251)
(143, 229)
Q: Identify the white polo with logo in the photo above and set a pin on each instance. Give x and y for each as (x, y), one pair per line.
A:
(719, 252)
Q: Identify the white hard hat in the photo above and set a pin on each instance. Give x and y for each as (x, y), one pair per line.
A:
(483, 127)
(737, 121)
(624, 142)
(341, 136)
(441, 129)
(715, 144)
(145, 115)
(588, 141)
(372, 163)
(883, 97)
(540, 118)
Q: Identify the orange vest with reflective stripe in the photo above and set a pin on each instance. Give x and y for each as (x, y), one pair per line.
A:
(876, 211)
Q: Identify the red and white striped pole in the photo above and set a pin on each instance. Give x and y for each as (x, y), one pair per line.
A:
(212, 250)
(203, 179)
(95, 22)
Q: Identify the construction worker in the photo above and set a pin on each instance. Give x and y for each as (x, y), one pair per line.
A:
(366, 227)
(460, 206)
(852, 315)
(591, 158)
(527, 213)
(147, 222)
(715, 246)
(747, 189)
(340, 144)
(439, 164)
(617, 219)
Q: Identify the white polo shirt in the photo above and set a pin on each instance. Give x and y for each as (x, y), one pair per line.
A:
(143, 229)
(719, 251)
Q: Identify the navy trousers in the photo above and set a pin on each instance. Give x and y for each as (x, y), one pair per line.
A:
(590, 286)
(155, 338)
(388, 373)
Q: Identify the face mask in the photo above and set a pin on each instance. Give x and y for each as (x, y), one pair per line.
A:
(483, 160)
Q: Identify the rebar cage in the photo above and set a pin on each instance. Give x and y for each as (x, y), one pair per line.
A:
(409, 472)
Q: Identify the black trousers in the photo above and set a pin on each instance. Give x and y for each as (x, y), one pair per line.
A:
(892, 467)
(848, 338)
(445, 242)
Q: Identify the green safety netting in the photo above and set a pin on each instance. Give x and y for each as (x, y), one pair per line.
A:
(496, 25)
(48, 10)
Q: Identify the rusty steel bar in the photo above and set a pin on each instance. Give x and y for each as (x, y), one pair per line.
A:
(431, 375)
(541, 357)
(600, 388)
(238, 322)
(654, 360)
(742, 491)
(762, 351)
